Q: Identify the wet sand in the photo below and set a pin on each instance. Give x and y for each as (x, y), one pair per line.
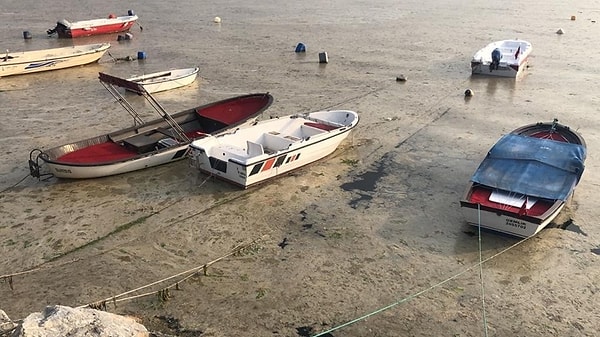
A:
(376, 224)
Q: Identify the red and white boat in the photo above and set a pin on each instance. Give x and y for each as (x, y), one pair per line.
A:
(112, 24)
(270, 148)
(146, 144)
(525, 180)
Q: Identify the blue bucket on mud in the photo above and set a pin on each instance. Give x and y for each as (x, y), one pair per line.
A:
(300, 48)
(141, 55)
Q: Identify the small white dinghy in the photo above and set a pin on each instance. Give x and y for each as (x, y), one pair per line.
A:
(270, 148)
(166, 80)
(506, 58)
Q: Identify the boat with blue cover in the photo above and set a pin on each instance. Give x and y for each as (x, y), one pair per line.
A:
(526, 179)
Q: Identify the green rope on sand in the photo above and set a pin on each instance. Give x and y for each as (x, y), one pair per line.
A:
(410, 297)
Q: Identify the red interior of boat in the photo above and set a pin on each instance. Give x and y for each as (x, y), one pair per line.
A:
(99, 153)
(232, 112)
(481, 195)
(321, 126)
(105, 153)
(549, 135)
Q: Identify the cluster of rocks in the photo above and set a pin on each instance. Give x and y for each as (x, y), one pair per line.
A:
(62, 321)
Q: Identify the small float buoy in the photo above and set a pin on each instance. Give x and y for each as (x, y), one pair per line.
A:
(300, 48)
(560, 31)
(323, 57)
(26, 35)
(469, 93)
(217, 19)
(573, 17)
(401, 78)
(111, 16)
(141, 55)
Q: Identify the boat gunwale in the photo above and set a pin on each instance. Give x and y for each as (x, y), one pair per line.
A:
(165, 78)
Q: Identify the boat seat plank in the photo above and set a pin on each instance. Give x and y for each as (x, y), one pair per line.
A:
(275, 141)
(144, 142)
(309, 130)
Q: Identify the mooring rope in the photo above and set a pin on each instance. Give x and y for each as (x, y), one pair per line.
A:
(15, 184)
(485, 326)
(192, 272)
(419, 293)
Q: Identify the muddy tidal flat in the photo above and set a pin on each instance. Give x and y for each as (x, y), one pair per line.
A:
(367, 242)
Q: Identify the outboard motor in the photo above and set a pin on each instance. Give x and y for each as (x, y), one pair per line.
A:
(61, 25)
(496, 56)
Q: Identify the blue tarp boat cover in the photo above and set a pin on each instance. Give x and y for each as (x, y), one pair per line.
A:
(531, 166)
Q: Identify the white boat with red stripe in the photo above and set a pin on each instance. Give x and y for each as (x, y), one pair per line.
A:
(270, 148)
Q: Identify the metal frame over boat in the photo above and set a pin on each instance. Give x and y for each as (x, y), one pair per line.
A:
(525, 180)
(112, 24)
(50, 59)
(146, 144)
(272, 147)
(166, 80)
(506, 58)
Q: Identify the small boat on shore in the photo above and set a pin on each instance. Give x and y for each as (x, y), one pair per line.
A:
(146, 144)
(506, 58)
(272, 147)
(112, 24)
(50, 59)
(166, 80)
(525, 180)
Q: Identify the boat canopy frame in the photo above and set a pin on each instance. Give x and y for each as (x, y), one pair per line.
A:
(109, 82)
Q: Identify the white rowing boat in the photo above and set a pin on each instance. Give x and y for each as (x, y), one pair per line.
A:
(50, 59)
(166, 80)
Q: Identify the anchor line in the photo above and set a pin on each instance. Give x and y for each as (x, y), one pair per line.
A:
(419, 293)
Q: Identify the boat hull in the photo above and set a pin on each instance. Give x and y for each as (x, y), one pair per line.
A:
(75, 171)
(152, 143)
(504, 221)
(94, 27)
(51, 59)
(525, 180)
(266, 155)
(503, 70)
(166, 80)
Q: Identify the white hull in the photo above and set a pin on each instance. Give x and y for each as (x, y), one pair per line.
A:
(270, 148)
(166, 80)
(93, 171)
(50, 59)
(514, 61)
(504, 223)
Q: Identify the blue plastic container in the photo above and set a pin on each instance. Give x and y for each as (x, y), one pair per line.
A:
(130, 12)
(141, 55)
(300, 48)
